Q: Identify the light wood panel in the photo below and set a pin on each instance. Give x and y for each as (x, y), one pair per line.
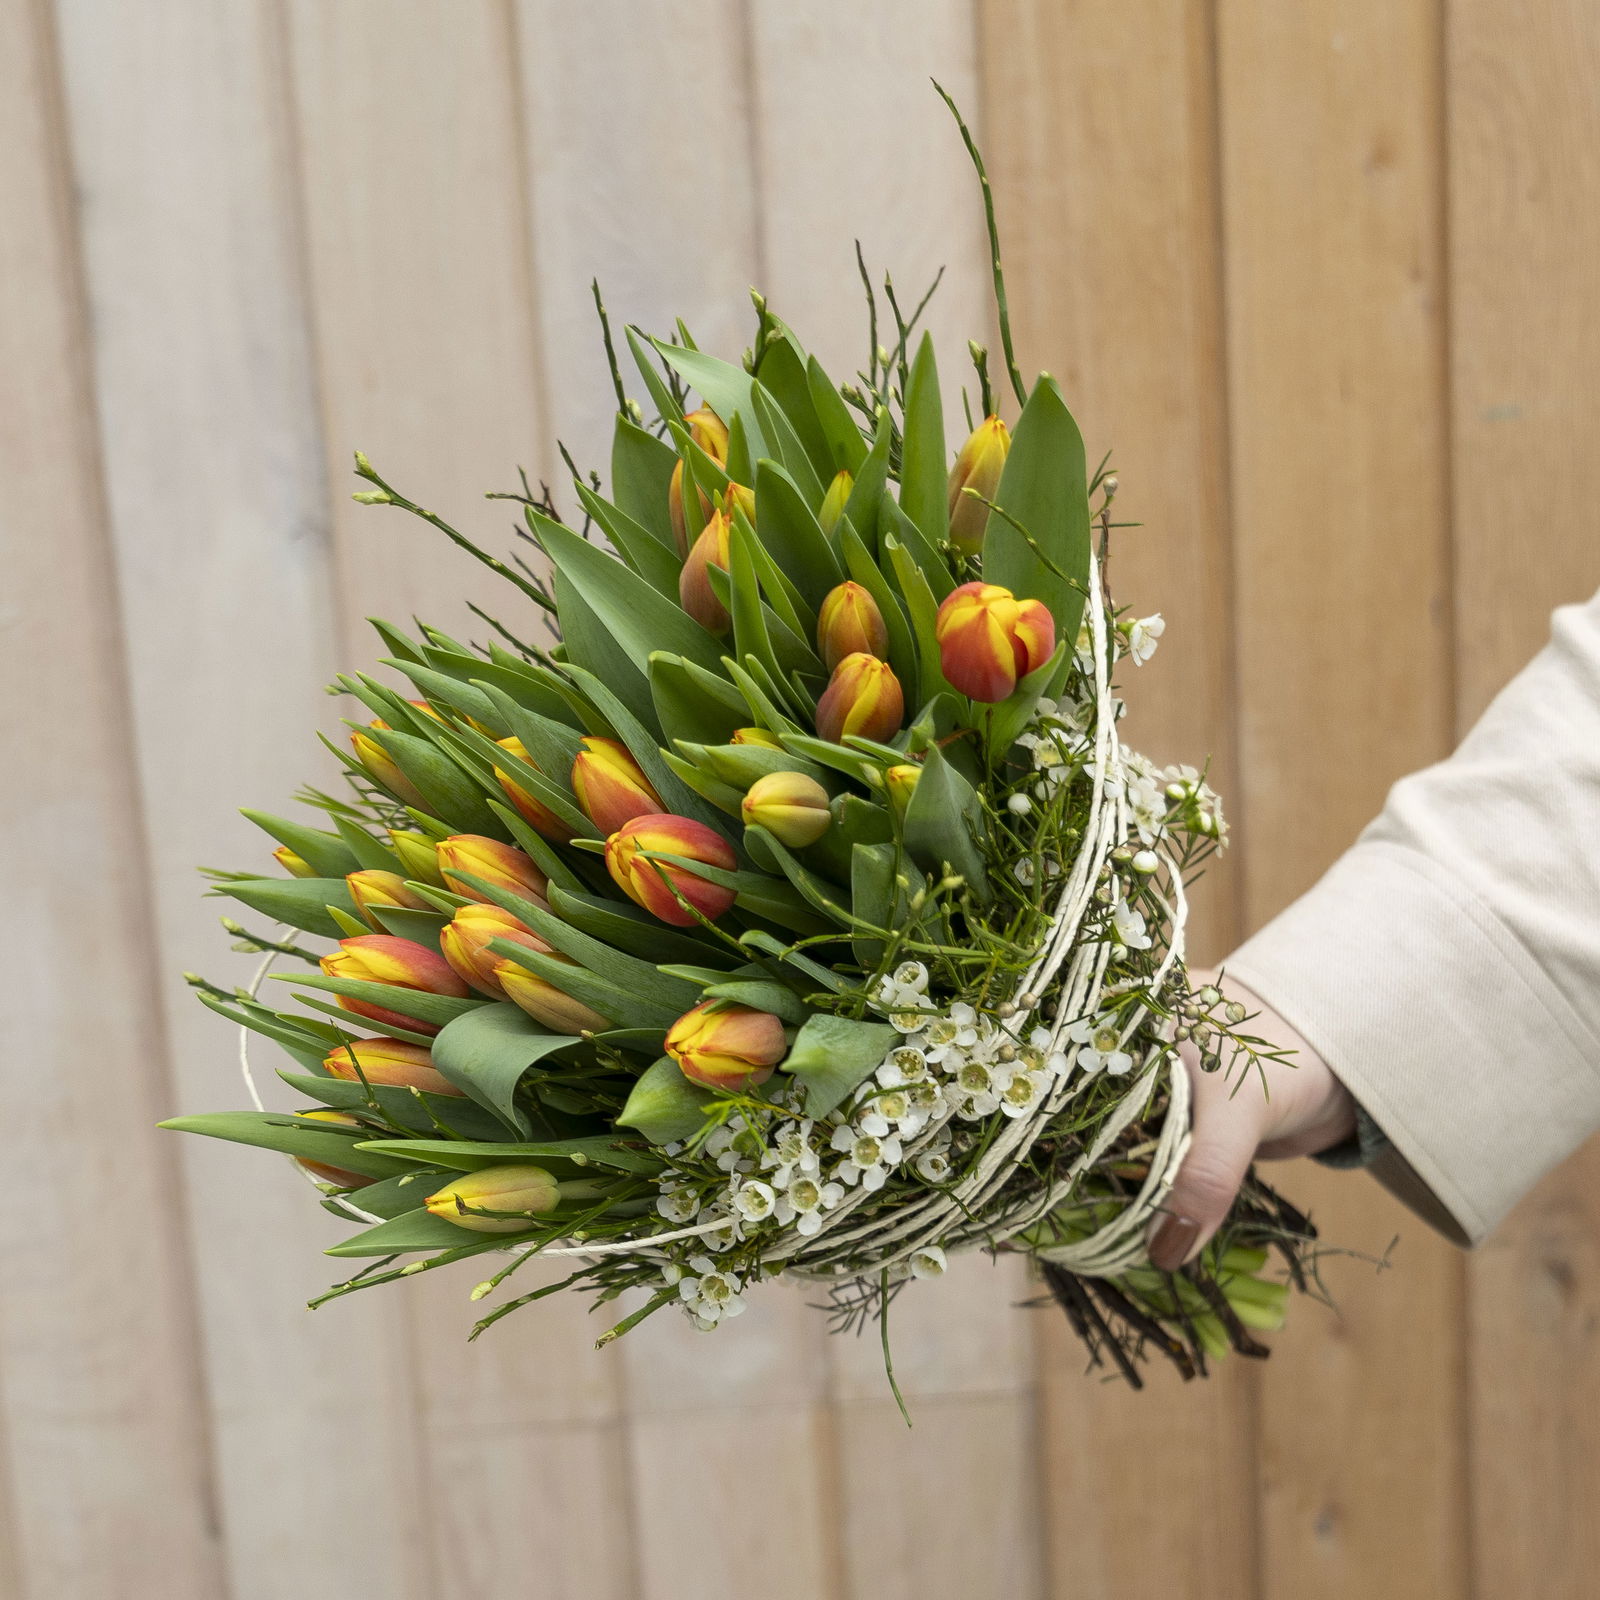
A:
(1102, 135)
(102, 1399)
(1524, 198)
(1332, 182)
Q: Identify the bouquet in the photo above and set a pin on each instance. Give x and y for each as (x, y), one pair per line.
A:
(800, 911)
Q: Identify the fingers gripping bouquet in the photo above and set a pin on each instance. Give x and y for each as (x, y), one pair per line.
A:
(799, 912)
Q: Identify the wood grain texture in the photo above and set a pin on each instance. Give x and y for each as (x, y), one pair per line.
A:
(101, 1392)
(1525, 184)
(1332, 179)
(218, 520)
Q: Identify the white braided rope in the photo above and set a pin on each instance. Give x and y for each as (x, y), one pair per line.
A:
(846, 1247)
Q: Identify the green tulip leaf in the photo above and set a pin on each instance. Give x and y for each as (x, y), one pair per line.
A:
(277, 1130)
(301, 902)
(664, 1105)
(832, 1056)
(641, 474)
(326, 854)
(487, 1052)
(421, 1230)
(848, 448)
(924, 471)
(418, 1003)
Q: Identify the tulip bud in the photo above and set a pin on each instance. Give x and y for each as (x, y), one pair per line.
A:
(725, 1046)
(382, 768)
(646, 883)
(695, 593)
(901, 782)
(339, 1177)
(978, 467)
(372, 888)
(518, 1187)
(988, 639)
(745, 499)
(465, 942)
(756, 736)
(419, 857)
(790, 806)
(382, 958)
(610, 785)
(863, 697)
(503, 865)
(850, 623)
(394, 1062)
(295, 866)
(707, 431)
(835, 500)
(545, 1001)
(530, 808)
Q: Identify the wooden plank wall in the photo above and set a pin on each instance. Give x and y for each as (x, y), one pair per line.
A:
(1323, 276)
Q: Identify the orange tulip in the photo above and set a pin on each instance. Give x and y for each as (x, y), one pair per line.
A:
(978, 466)
(294, 865)
(790, 806)
(465, 941)
(518, 1187)
(695, 593)
(382, 768)
(864, 698)
(339, 1177)
(394, 1062)
(545, 1001)
(850, 623)
(988, 639)
(503, 865)
(725, 1046)
(372, 888)
(707, 430)
(835, 500)
(610, 785)
(382, 958)
(532, 810)
(642, 880)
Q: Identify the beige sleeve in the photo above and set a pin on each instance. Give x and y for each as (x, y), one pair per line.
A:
(1447, 968)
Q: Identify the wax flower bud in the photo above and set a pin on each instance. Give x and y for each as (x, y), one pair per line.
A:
(610, 785)
(651, 883)
(707, 430)
(863, 697)
(373, 888)
(382, 768)
(503, 865)
(726, 1046)
(465, 941)
(695, 593)
(989, 640)
(850, 623)
(835, 500)
(296, 866)
(517, 1187)
(756, 736)
(790, 806)
(339, 1177)
(978, 467)
(394, 1063)
(382, 958)
(419, 857)
(530, 808)
(547, 1002)
(901, 782)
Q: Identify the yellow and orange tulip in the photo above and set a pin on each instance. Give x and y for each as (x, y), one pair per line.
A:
(339, 1177)
(756, 736)
(419, 856)
(548, 1002)
(989, 639)
(835, 500)
(978, 467)
(792, 807)
(901, 782)
(695, 593)
(610, 785)
(863, 697)
(725, 1046)
(296, 866)
(530, 808)
(502, 865)
(516, 1187)
(646, 883)
(465, 941)
(382, 958)
(707, 430)
(850, 623)
(382, 767)
(373, 887)
(393, 1062)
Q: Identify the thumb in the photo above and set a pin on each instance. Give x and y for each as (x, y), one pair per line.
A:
(1227, 1130)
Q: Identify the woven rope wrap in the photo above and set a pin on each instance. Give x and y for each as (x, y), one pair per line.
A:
(853, 1246)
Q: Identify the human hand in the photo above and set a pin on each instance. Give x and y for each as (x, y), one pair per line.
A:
(1286, 1108)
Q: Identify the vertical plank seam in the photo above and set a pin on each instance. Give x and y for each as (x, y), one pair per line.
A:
(1232, 712)
(755, 155)
(280, 35)
(170, 1180)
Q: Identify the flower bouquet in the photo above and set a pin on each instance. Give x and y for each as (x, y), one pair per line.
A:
(799, 912)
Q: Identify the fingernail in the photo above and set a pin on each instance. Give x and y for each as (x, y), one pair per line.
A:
(1171, 1243)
